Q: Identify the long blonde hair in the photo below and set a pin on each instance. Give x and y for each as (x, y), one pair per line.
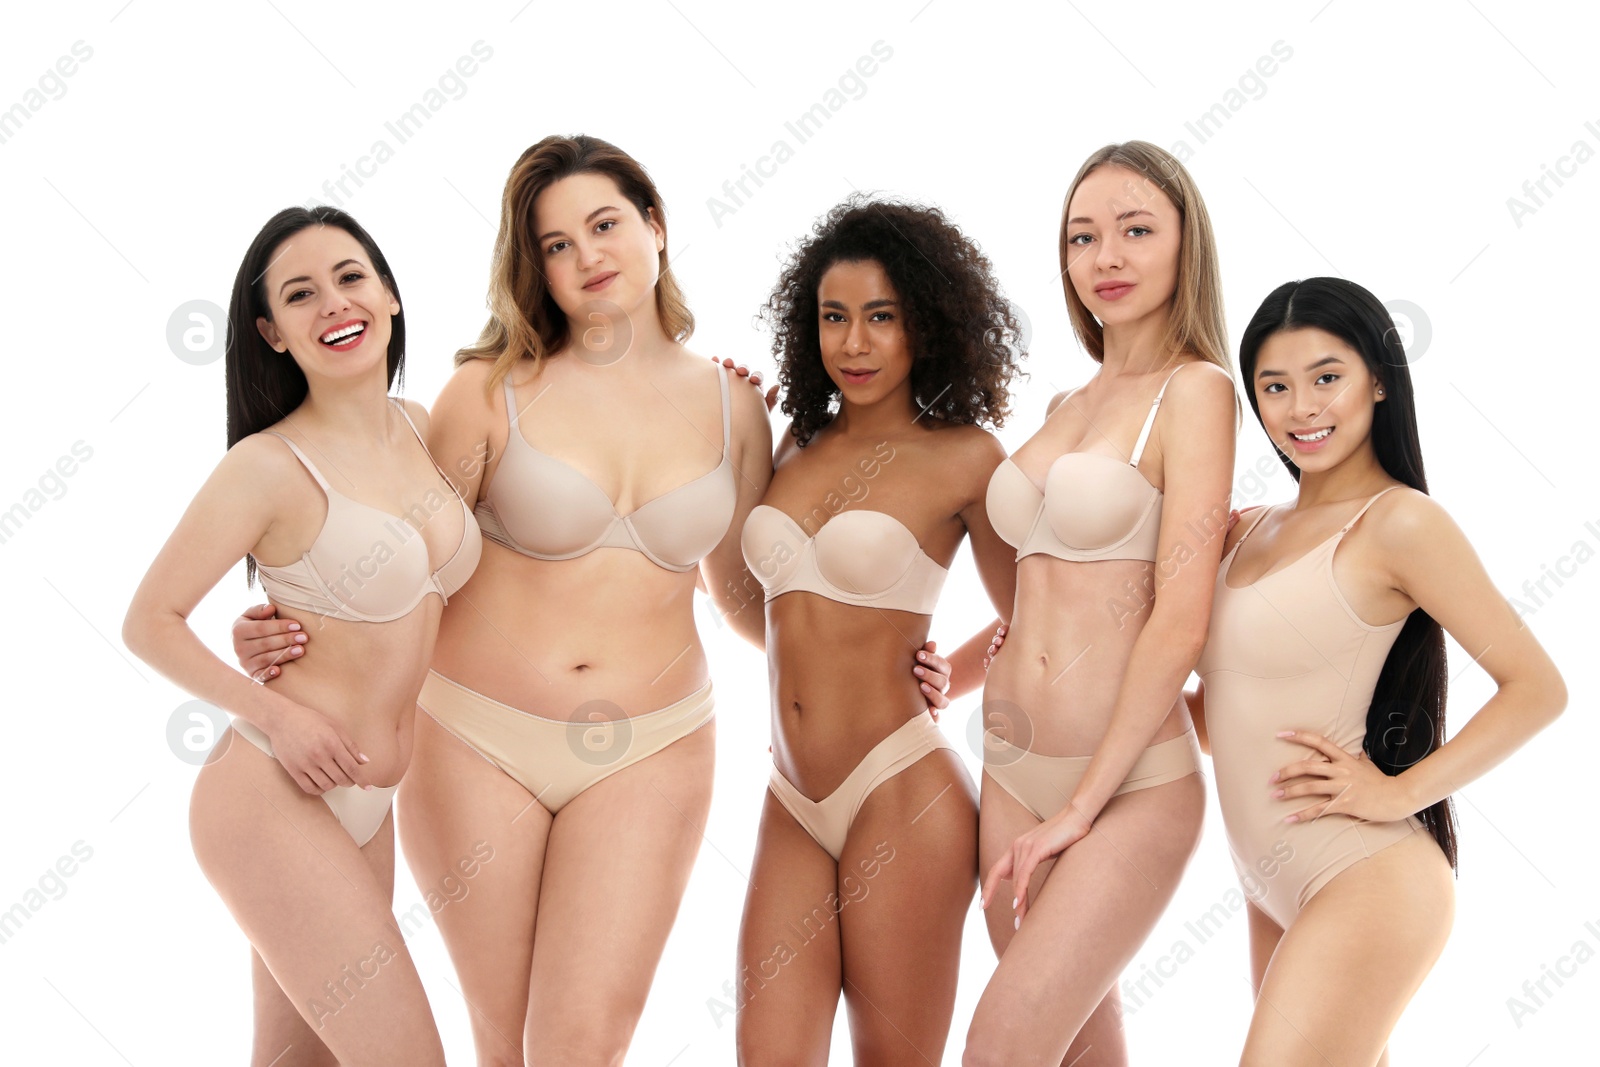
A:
(1196, 323)
(524, 320)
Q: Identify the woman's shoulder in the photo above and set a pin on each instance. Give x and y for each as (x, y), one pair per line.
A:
(964, 442)
(264, 461)
(1199, 381)
(1410, 519)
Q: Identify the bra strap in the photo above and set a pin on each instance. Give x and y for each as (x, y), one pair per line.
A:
(301, 456)
(511, 402)
(1370, 501)
(727, 411)
(401, 404)
(1150, 420)
(1252, 527)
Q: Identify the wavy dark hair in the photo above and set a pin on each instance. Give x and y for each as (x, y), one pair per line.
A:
(1406, 719)
(265, 385)
(964, 337)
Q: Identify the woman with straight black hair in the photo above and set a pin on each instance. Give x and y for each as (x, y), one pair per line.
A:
(330, 495)
(1323, 685)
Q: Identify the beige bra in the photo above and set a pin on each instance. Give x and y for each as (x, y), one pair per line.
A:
(866, 558)
(367, 565)
(1092, 506)
(547, 509)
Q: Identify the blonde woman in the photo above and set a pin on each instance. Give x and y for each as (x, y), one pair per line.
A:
(1091, 797)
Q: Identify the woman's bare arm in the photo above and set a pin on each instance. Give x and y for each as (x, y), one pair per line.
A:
(231, 515)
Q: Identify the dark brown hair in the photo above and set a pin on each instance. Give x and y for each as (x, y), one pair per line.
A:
(265, 385)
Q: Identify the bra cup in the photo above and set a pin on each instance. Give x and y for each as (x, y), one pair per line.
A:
(559, 513)
(454, 574)
(1012, 502)
(569, 514)
(367, 565)
(1092, 502)
(771, 544)
(864, 553)
(684, 526)
(856, 558)
(372, 568)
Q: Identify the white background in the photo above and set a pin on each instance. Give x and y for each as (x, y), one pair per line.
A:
(1384, 149)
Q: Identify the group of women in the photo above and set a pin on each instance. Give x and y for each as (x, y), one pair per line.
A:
(562, 759)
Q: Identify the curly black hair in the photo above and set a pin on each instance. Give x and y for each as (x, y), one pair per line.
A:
(963, 333)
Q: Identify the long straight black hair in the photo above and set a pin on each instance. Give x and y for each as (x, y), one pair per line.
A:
(265, 385)
(1406, 719)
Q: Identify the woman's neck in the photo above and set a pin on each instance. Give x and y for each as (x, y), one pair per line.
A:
(356, 409)
(1359, 475)
(889, 417)
(1137, 347)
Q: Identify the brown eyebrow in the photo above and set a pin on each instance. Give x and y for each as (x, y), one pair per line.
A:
(306, 278)
(1120, 218)
(1323, 362)
(589, 219)
(870, 305)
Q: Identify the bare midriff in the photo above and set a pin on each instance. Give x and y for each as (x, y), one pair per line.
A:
(1053, 685)
(841, 682)
(365, 676)
(608, 630)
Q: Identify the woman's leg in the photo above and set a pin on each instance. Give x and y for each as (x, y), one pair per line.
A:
(1264, 937)
(905, 882)
(1092, 913)
(282, 1036)
(1352, 959)
(454, 806)
(1002, 820)
(789, 956)
(617, 862)
(316, 911)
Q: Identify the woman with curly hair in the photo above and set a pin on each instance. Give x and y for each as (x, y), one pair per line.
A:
(894, 345)
(1116, 507)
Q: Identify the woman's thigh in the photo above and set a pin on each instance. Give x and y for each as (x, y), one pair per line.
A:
(616, 865)
(1352, 959)
(314, 908)
(790, 964)
(1095, 908)
(283, 1038)
(905, 882)
(455, 807)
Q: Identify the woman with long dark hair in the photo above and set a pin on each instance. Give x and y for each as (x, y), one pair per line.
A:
(894, 348)
(1323, 685)
(329, 493)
